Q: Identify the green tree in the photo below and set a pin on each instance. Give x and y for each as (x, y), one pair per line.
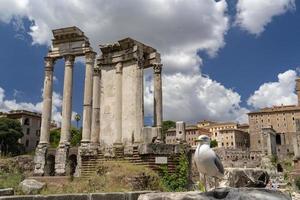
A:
(10, 133)
(165, 126)
(213, 143)
(75, 136)
(54, 137)
(77, 118)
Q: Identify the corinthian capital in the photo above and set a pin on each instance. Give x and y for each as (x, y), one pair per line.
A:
(69, 59)
(157, 68)
(90, 57)
(49, 63)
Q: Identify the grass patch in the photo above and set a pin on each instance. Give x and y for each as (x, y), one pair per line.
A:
(10, 175)
(112, 176)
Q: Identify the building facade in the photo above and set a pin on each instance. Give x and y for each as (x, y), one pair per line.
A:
(192, 132)
(282, 119)
(233, 138)
(31, 123)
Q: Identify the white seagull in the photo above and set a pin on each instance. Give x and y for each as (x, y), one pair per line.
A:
(207, 161)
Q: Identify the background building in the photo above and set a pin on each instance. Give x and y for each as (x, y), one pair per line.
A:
(192, 132)
(281, 119)
(233, 138)
(31, 123)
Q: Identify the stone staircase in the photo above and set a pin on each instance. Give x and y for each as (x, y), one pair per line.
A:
(89, 164)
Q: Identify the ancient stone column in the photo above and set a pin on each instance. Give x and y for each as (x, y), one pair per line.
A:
(87, 99)
(96, 106)
(47, 100)
(157, 97)
(67, 100)
(64, 144)
(119, 67)
(139, 121)
(41, 150)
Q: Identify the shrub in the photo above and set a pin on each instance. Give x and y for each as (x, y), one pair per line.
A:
(177, 181)
(297, 183)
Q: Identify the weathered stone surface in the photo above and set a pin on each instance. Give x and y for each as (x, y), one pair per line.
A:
(220, 193)
(240, 177)
(31, 186)
(6, 192)
(93, 196)
(161, 149)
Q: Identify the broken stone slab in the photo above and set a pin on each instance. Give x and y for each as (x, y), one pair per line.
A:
(220, 193)
(7, 192)
(31, 186)
(245, 177)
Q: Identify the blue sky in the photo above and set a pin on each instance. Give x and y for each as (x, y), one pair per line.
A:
(216, 55)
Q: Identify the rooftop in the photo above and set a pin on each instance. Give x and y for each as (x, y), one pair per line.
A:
(282, 108)
(23, 112)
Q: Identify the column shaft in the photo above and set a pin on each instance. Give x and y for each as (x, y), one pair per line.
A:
(67, 100)
(87, 100)
(157, 97)
(47, 101)
(118, 103)
(139, 101)
(96, 106)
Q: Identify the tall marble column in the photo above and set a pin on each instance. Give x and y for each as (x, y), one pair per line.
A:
(139, 121)
(41, 150)
(119, 67)
(96, 106)
(87, 99)
(157, 97)
(67, 100)
(47, 100)
(64, 144)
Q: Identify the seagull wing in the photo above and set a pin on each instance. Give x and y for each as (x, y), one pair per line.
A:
(218, 164)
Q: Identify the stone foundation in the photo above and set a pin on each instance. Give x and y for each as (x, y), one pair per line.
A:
(61, 158)
(40, 159)
(85, 150)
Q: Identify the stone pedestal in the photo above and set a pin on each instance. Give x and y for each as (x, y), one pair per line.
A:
(61, 158)
(85, 150)
(40, 159)
(150, 134)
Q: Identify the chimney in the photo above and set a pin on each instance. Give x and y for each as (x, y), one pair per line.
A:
(298, 89)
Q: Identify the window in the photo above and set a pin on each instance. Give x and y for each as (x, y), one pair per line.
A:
(258, 141)
(37, 133)
(27, 143)
(231, 143)
(28, 131)
(26, 121)
(37, 143)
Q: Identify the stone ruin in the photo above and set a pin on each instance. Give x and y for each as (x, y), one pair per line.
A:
(113, 107)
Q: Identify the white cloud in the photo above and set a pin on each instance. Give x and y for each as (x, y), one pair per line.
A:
(178, 29)
(276, 93)
(196, 97)
(254, 15)
(11, 104)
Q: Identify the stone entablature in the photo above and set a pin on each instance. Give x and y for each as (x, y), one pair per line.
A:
(128, 50)
(69, 41)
